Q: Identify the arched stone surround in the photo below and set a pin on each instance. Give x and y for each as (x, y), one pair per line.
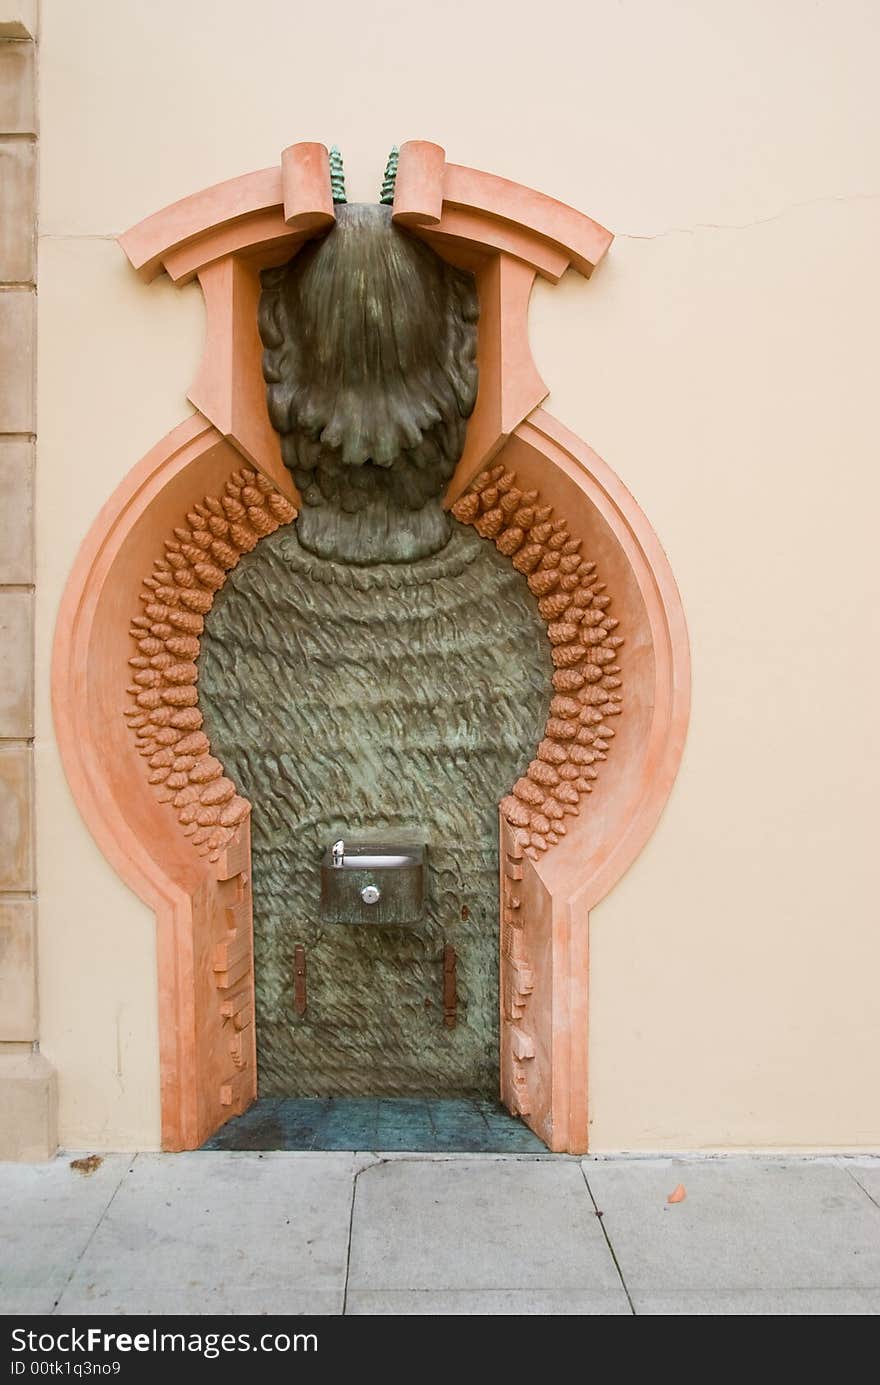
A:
(564, 840)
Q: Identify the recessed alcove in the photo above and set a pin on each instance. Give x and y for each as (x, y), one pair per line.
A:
(185, 846)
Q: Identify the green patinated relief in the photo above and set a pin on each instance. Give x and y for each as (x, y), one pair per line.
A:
(399, 697)
(386, 195)
(337, 176)
(375, 668)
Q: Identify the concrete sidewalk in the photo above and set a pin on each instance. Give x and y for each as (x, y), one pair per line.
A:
(334, 1233)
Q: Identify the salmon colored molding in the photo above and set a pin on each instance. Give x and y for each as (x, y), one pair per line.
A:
(505, 235)
(545, 903)
(427, 187)
(203, 909)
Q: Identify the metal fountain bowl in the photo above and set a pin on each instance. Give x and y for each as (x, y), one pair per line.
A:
(372, 882)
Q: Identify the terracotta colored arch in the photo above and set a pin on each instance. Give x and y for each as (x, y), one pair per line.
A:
(228, 454)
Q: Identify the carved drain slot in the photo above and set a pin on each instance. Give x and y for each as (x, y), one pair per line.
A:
(450, 987)
(300, 998)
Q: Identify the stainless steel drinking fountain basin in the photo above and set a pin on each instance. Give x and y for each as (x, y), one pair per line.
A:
(371, 883)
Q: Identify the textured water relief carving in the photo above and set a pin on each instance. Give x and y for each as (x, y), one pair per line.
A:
(396, 697)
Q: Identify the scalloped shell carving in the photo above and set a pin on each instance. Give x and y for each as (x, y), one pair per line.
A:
(163, 713)
(586, 678)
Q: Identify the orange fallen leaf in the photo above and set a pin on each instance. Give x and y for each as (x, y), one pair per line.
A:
(678, 1194)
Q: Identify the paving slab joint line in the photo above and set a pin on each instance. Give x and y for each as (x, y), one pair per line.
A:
(861, 1187)
(354, 1188)
(611, 1251)
(122, 1177)
(374, 1161)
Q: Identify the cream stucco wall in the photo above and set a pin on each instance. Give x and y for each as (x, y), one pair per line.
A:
(723, 360)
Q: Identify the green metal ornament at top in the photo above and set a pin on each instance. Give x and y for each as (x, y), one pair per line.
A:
(386, 196)
(337, 176)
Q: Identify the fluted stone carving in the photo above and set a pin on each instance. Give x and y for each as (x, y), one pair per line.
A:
(370, 366)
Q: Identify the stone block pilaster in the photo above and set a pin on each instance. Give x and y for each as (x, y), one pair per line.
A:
(27, 1081)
